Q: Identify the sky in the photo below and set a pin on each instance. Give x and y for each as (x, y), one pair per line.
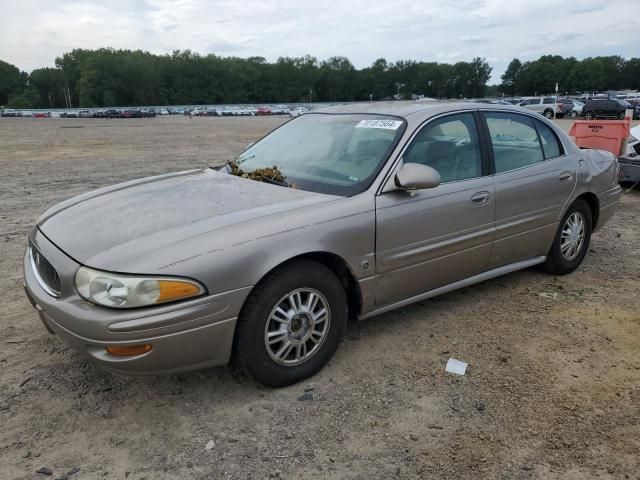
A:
(34, 32)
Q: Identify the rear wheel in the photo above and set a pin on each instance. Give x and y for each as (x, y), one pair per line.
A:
(589, 115)
(574, 114)
(621, 116)
(572, 239)
(548, 113)
(291, 324)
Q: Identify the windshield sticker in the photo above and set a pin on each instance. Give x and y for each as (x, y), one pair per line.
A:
(386, 124)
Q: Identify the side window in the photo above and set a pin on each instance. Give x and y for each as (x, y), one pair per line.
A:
(450, 145)
(550, 144)
(548, 100)
(514, 140)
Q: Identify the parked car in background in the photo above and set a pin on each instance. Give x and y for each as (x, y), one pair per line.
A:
(604, 108)
(41, 115)
(9, 113)
(84, 114)
(296, 112)
(547, 106)
(27, 114)
(576, 111)
(635, 105)
(263, 111)
(111, 113)
(183, 270)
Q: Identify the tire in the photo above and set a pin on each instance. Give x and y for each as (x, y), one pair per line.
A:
(262, 322)
(621, 116)
(589, 116)
(560, 263)
(574, 114)
(548, 113)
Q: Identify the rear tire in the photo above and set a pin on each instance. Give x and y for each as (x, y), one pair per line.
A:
(282, 336)
(621, 116)
(572, 240)
(574, 114)
(548, 113)
(589, 116)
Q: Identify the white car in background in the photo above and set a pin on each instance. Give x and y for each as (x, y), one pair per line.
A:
(296, 112)
(630, 161)
(547, 106)
(576, 111)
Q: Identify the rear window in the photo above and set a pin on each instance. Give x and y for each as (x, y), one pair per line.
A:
(550, 144)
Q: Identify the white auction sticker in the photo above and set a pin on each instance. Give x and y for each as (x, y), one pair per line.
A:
(386, 124)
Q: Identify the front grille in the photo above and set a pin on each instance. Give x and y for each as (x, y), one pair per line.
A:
(46, 275)
(636, 147)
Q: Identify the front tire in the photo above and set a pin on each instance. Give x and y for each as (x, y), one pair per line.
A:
(291, 324)
(548, 113)
(589, 116)
(572, 239)
(574, 114)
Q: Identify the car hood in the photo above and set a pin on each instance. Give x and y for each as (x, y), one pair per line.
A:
(112, 228)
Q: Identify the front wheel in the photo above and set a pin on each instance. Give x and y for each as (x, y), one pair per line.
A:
(621, 116)
(589, 116)
(548, 113)
(291, 324)
(572, 239)
(574, 114)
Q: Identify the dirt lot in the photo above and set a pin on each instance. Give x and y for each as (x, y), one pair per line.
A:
(552, 391)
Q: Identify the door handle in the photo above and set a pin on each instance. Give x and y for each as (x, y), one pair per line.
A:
(565, 176)
(480, 198)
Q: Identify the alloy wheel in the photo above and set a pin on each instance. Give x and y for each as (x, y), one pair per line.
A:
(297, 326)
(572, 236)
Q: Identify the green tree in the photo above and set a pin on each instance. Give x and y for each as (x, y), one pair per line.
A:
(510, 77)
(12, 81)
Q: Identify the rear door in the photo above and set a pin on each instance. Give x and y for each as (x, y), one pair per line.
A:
(534, 178)
(429, 238)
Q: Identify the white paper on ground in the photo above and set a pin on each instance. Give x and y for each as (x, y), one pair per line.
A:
(456, 366)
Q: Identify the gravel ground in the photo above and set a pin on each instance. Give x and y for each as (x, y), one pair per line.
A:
(552, 390)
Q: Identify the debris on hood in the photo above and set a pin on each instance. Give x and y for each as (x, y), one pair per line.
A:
(268, 174)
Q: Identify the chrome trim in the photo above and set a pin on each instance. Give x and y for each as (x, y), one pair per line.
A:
(496, 272)
(39, 278)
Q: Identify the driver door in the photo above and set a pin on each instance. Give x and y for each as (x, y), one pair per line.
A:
(429, 238)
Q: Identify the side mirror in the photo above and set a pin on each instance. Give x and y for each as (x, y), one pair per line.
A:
(414, 176)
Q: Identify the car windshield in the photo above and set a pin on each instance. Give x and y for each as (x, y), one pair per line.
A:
(336, 154)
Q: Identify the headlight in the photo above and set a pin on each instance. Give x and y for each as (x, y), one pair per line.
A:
(130, 291)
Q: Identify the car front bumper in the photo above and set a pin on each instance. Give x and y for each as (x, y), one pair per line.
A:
(629, 169)
(186, 335)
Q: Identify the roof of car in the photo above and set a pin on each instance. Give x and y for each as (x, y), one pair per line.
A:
(405, 108)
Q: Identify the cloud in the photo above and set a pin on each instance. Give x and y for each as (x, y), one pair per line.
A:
(34, 32)
(473, 39)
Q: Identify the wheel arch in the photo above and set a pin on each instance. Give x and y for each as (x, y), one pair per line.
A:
(339, 267)
(594, 206)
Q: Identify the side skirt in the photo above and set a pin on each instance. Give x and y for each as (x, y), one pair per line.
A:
(481, 277)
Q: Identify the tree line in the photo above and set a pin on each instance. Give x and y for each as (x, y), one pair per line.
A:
(108, 77)
(572, 75)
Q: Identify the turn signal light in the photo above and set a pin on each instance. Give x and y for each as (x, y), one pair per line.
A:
(128, 350)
